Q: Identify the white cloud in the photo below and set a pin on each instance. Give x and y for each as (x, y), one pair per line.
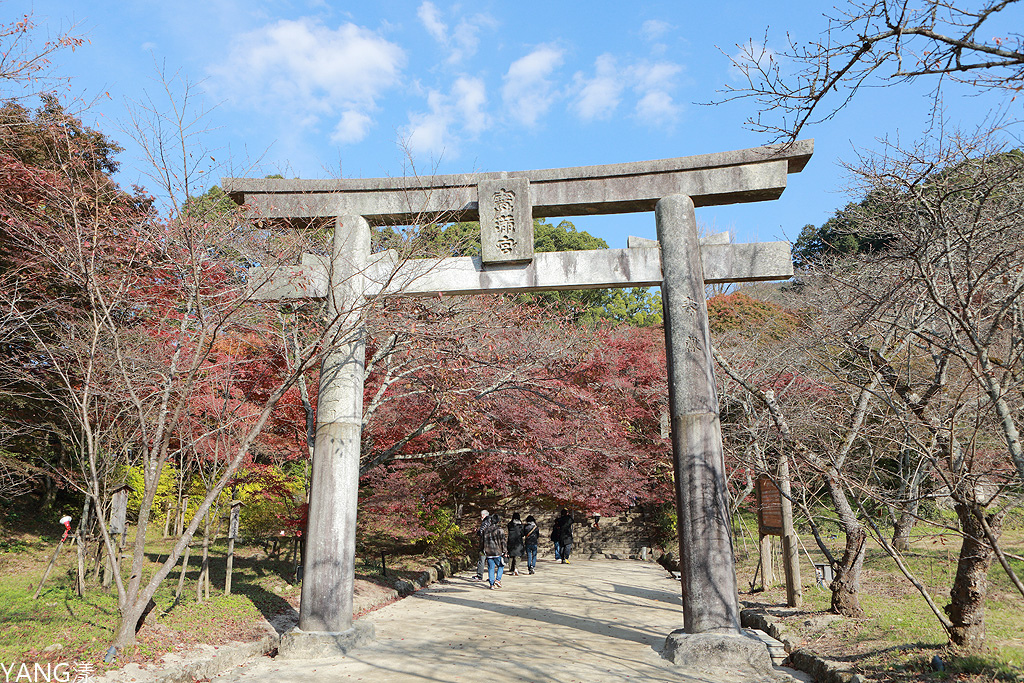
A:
(528, 92)
(598, 97)
(463, 41)
(431, 18)
(309, 72)
(652, 29)
(352, 127)
(653, 84)
(451, 118)
(657, 108)
(470, 99)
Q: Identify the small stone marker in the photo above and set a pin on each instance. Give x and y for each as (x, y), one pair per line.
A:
(506, 220)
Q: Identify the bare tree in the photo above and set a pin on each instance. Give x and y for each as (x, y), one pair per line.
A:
(885, 42)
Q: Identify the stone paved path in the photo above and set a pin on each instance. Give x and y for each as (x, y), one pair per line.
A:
(590, 621)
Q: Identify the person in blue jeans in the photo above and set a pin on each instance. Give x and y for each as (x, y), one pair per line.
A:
(556, 538)
(531, 535)
(495, 549)
(561, 534)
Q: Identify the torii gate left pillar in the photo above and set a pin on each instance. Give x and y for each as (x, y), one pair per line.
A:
(329, 569)
(681, 267)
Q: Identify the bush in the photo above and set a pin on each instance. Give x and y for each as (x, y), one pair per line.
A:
(446, 539)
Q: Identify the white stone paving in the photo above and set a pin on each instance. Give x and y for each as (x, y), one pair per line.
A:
(589, 621)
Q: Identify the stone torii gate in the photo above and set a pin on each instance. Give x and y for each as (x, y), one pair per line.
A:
(505, 204)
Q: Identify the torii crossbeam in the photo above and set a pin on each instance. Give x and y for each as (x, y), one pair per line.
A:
(505, 204)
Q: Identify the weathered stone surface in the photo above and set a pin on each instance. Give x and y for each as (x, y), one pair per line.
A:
(329, 566)
(635, 267)
(705, 541)
(506, 224)
(299, 644)
(702, 651)
(823, 670)
(710, 179)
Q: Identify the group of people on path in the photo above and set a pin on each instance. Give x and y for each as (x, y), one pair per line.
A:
(518, 541)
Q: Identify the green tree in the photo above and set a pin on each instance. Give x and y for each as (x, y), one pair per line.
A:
(841, 235)
(636, 306)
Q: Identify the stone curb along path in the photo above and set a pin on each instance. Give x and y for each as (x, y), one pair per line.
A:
(206, 661)
(823, 670)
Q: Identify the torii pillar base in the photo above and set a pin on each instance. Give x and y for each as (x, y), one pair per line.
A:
(299, 644)
(736, 651)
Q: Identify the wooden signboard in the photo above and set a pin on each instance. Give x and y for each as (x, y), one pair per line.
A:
(769, 507)
(236, 509)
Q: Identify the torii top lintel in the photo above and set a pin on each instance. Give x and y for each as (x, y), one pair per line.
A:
(747, 175)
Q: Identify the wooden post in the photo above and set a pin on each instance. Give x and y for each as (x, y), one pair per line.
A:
(790, 551)
(236, 510)
(767, 566)
(706, 562)
(66, 521)
(46, 574)
(118, 530)
(769, 523)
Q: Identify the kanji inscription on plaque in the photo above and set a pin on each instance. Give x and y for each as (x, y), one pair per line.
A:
(506, 220)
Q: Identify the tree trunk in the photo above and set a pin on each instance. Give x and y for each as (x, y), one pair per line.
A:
(81, 549)
(179, 528)
(967, 596)
(203, 584)
(846, 586)
(184, 569)
(901, 529)
(167, 519)
(97, 561)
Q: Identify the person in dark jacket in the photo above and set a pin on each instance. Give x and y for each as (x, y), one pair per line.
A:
(495, 548)
(515, 542)
(481, 564)
(531, 535)
(561, 534)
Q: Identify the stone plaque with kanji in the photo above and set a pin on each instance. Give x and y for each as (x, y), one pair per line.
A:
(506, 220)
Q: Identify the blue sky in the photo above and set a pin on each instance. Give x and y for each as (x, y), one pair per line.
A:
(314, 88)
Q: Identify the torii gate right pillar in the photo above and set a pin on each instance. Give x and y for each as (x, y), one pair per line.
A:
(702, 503)
(710, 601)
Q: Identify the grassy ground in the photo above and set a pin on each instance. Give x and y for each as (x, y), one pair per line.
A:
(262, 588)
(899, 636)
(896, 640)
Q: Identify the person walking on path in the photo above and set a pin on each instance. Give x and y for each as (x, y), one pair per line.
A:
(563, 532)
(481, 562)
(516, 549)
(531, 535)
(495, 549)
(556, 537)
